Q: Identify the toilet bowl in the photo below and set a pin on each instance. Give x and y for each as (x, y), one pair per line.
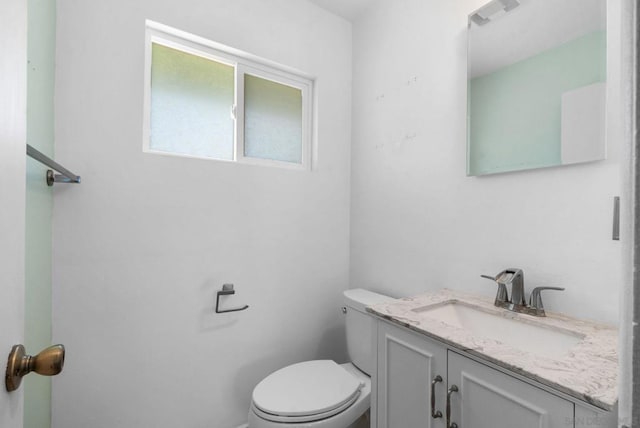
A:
(323, 393)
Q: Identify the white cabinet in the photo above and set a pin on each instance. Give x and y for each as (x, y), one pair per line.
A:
(487, 398)
(408, 363)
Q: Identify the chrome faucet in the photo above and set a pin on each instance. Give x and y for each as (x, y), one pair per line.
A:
(518, 303)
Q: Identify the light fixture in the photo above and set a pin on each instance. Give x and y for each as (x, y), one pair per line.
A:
(492, 10)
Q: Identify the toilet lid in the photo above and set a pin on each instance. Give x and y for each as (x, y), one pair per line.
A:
(307, 388)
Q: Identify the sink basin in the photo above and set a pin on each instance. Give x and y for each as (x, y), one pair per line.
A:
(540, 340)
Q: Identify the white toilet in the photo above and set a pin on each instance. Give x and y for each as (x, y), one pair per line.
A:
(322, 393)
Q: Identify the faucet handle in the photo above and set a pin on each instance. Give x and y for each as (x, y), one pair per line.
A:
(516, 278)
(501, 296)
(535, 300)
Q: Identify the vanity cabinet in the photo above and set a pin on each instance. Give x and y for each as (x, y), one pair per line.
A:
(409, 362)
(487, 398)
(408, 365)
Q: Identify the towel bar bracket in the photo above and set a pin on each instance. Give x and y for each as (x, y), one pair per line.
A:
(65, 175)
(58, 178)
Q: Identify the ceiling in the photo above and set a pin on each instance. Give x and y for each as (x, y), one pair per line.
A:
(348, 9)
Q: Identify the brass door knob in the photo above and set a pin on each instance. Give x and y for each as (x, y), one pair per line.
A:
(49, 362)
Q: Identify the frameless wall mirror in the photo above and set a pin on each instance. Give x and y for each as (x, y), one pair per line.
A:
(536, 84)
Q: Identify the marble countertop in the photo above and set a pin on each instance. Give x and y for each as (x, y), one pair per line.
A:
(588, 371)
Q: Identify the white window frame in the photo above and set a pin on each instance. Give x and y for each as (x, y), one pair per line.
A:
(243, 63)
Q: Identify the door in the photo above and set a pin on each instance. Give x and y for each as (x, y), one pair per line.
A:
(13, 62)
(409, 366)
(487, 398)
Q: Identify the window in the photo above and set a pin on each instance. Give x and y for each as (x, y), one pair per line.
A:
(209, 101)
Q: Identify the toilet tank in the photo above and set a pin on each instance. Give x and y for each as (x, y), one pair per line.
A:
(360, 327)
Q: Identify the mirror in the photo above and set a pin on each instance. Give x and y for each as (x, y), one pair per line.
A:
(536, 84)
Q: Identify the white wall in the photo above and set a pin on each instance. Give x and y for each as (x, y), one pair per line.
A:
(143, 244)
(418, 223)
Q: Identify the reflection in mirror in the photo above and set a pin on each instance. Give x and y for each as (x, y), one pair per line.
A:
(536, 84)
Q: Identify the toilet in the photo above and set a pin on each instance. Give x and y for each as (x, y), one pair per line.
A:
(323, 393)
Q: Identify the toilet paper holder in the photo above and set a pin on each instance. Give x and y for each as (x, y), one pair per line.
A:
(227, 289)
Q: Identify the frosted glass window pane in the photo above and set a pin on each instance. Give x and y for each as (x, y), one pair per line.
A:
(191, 100)
(272, 120)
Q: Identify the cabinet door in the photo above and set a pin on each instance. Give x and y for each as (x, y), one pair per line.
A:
(407, 364)
(487, 398)
(590, 418)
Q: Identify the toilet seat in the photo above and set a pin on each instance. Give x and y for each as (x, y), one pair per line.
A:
(304, 418)
(306, 392)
